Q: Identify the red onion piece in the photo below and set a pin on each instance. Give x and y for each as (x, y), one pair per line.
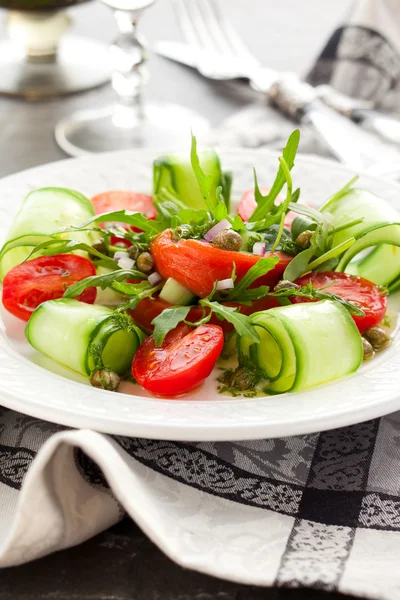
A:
(225, 284)
(210, 235)
(118, 255)
(259, 248)
(126, 263)
(154, 278)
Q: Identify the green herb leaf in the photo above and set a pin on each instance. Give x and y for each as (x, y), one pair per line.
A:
(168, 320)
(260, 268)
(124, 216)
(307, 211)
(308, 291)
(241, 323)
(142, 290)
(299, 265)
(22, 241)
(59, 246)
(211, 194)
(101, 281)
(266, 203)
(130, 290)
(341, 192)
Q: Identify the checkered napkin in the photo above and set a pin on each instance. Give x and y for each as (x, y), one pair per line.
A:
(320, 510)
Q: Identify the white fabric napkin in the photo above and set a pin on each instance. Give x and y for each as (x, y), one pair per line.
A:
(320, 510)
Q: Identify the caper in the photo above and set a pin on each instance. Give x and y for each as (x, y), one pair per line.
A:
(100, 247)
(227, 239)
(368, 350)
(378, 337)
(106, 380)
(304, 239)
(145, 262)
(242, 379)
(133, 252)
(286, 285)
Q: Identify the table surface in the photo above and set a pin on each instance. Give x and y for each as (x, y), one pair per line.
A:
(122, 563)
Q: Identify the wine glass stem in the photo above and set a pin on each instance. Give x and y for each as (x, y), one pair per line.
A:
(128, 55)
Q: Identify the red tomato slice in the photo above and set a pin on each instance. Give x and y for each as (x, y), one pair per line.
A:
(198, 265)
(359, 291)
(123, 200)
(149, 309)
(45, 278)
(120, 242)
(248, 204)
(185, 359)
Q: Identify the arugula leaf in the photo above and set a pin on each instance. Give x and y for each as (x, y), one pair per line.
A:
(168, 205)
(60, 246)
(341, 192)
(212, 195)
(260, 268)
(280, 233)
(143, 290)
(266, 203)
(22, 241)
(227, 178)
(299, 265)
(124, 216)
(307, 211)
(237, 224)
(351, 307)
(101, 281)
(241, 323)
(168, 320)
(249, 296)
(333, 253)
(308, 291)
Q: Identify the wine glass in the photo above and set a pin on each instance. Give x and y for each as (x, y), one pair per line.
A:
(37, 61)
(127, 123)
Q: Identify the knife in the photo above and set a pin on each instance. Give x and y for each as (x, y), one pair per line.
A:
(300, 101)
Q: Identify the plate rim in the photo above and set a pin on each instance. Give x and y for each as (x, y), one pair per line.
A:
(184, 431)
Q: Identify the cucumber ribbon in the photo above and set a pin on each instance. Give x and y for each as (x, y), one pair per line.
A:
(84, 337)
(302, 345)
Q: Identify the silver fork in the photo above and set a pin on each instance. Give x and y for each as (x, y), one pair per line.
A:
(221, 54)
(224, 55)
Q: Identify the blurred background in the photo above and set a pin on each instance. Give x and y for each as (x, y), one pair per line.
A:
(285, 35)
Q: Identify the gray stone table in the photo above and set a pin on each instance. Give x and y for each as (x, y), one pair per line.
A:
(122, 564)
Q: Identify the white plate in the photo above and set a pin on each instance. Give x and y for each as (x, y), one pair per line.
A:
(39, 387)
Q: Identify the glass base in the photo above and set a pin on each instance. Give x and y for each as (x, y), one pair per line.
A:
(81, 64)
(111, 128)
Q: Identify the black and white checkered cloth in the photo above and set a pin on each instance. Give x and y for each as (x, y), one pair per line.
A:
(320, 510)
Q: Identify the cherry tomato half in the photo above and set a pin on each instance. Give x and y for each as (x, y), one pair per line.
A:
(198, 265)
(45, 278)
(148, 309)
(123, 200)
(184, 360)
(361, 292)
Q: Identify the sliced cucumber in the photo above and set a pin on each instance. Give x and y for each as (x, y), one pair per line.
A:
(379, 231)
(43, 212)
(175, 170)
(84, 337)
(107, 297)
(382, 264)
(176, 293)
(303, 345)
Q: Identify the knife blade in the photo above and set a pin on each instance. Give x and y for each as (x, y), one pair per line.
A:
(224, 67)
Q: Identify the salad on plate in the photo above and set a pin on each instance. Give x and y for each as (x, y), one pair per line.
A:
(162, 289)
